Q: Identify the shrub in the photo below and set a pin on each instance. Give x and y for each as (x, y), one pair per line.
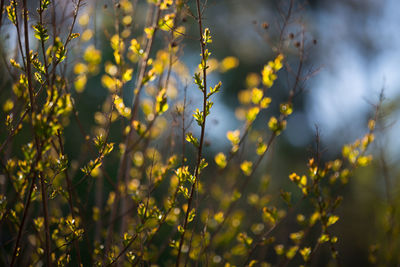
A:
(106, 161)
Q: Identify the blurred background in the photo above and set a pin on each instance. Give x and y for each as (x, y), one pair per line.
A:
(356, 57)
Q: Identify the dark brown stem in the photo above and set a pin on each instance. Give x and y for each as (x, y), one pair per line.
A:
(19, 37)
(124, 162)
(22, 224)
(71, 206)
(1, 12)
(203, 126)
(39, 153)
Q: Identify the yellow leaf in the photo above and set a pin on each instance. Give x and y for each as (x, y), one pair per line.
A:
(233, 136)
(246, 167)
(228, 63)
(120, 106)
(127, 76)
(256, 95)
(220, 160)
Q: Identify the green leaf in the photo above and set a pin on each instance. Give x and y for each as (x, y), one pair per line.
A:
(191, 139)
(214, 90)
(332, 220)
(209, 104)
(203, 164)
(291, 252)
(305, 253)
(180, 229)
(252, 114)
(286, 109)
(161, 101)
(192, 214)
(198, 116)
(60, 51)
(198, 81)
(121, 108)
(11, 12)
(74, 35)
(207, 36)
(40, 32)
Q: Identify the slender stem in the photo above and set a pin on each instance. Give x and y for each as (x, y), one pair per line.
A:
(46, 219)
(38, 149)
(203, 126)
(124, 162)
(17, 26)
(71, 206)
(42, 181)
(22, 224)
(1, 12)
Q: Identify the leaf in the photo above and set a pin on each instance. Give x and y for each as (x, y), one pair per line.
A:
(305, 253)
(167, 22)
(135, 47)
(203, 164)
(127, 75)
(192, 214)
(228, 63)
(323, 238)
(286, 109)
(233, 136)
(198, 116)
(214, 90)
(279, 249)
(261, 147)
(332, 220)
(207, 36)
(11, 12)
(291, 252)
(265, 102)
(40, 32)
(61, 53)
(256, 95)
(44, 4)
(161, 101)
(252, 114)
(198, 81)
(220, 160)
(191, 139)
(121, 108)
(246, 167)
(219, 217)
(74, 35)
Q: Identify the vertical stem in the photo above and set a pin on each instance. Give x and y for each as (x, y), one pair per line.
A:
(123, 168)
(1, 12)
(16, 251)
(71, 206)
(46, 220)
(203, 126)
(33, 109)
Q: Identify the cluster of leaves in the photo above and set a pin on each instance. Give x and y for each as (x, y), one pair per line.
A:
(135, 193)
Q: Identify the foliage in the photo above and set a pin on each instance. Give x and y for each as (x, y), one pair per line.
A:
(145, 187)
